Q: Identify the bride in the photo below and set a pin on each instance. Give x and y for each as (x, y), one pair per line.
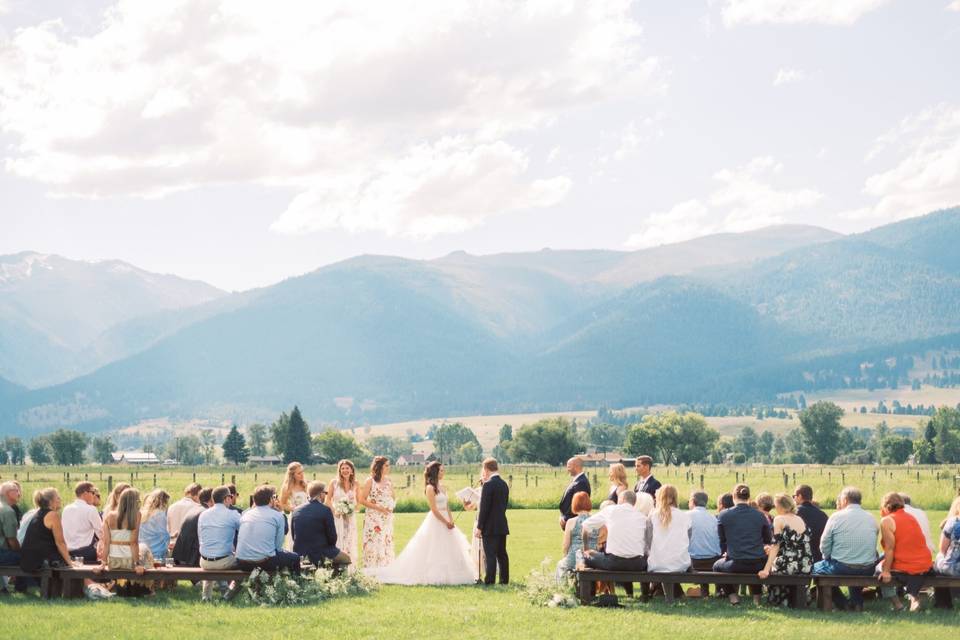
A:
(438, 553)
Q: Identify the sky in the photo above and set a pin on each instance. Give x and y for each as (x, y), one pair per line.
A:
(242, 142)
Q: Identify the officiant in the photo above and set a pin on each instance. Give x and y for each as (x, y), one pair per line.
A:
(471, 502)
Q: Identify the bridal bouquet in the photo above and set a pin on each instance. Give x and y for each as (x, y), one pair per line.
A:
(342, 508)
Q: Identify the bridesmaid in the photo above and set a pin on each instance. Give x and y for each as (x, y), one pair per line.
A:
(376, 495)
(293, 491)
(344, 488)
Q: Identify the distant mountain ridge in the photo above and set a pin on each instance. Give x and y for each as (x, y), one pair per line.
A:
(379, 338)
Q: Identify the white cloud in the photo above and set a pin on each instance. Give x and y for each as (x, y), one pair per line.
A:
(743, 201)
(925, 149)
(788, 76)
(830, 12)
(336, 100)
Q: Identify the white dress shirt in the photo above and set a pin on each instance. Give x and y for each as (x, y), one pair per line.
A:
(178, 512)
(81, 522)
(924, 522)
(626, 530)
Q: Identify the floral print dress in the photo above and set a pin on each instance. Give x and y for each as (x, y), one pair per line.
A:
(794, 558)
(378, 527)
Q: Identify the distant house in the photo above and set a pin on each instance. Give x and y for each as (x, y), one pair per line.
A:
(135, 457)
(264, 461)
(411, 460)
(595, 459)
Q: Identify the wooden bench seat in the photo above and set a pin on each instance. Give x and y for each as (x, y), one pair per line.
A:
(45, 577)
(73, 577)
(825, 602)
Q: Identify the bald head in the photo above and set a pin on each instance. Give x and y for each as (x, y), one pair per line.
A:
(574, 466)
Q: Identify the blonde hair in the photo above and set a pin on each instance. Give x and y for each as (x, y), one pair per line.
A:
(127, 507)
(955, 507)
(290, 481)
(618, 474)
(114, 502)
(785, 502)
(156, 501)
(666, 500)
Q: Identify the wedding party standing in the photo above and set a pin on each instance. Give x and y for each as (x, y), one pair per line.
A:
(492, 527)
(293, 491)
(377, 497)
(438, 553)
(341, 497)
(315, 532)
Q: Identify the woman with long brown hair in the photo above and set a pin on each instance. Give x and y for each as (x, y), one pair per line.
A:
(377, 497)
(438, 553)
(342, 500)
(293, 491)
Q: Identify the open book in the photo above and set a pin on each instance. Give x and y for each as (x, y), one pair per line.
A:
(469, 494)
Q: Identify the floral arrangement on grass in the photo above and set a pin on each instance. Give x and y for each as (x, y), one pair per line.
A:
(283, 589)
(543, 590)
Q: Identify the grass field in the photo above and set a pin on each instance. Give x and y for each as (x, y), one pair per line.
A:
(460, 612)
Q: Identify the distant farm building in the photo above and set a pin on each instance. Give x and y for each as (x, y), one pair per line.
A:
(264, 461)
(135, 457)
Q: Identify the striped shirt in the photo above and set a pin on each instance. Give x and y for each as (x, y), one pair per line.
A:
(850, 537)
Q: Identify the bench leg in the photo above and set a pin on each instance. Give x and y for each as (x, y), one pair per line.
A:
(586, 590)
(667, 592)
(46, 592)
(72, 589)
(798, 597)
(824, 597)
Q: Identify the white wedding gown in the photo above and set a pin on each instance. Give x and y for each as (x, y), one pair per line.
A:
(435, 555)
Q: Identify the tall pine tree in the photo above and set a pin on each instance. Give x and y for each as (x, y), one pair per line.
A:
(297, 447)
(235, 447)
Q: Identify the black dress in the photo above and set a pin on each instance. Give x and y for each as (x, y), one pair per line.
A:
(39, 545)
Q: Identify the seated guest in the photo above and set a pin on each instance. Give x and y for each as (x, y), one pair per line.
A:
(260, 542)
(790, 554)
(154, 531)
(123, 549)
(704, 539)
(725, 502)
(44, 541)
(765, 505)
(186, 550)
(314, 531)
(180, 510)
(217, 528)
(906, 557)
(670, 534)
(235, 503)
(848, 546)
(627, 535)
(743, 532)
(645, 503)
(921, 517)
(82, 523)
(27, 517)
(948, 557)
(813, 517)
(9, 523)
(573, 536)
(618, 481)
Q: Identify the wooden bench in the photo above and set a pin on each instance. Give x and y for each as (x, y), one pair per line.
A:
(73, 577)
(45, 577)
(824, 584)
(586, 578)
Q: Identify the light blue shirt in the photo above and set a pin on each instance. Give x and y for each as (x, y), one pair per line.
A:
(154, 534)
(850, 536)
(216, 528)
(704, 538)
(261, 534)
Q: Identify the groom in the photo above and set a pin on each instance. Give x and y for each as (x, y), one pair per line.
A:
(492, 526)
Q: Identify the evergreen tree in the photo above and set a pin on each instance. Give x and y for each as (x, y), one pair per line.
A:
(235, 447)
(297, 447)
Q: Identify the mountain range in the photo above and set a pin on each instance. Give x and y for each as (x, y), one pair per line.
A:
(728, 317)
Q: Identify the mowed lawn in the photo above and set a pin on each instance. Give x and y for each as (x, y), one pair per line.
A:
(460, 612)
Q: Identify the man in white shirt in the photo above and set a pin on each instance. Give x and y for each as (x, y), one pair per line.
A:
(82, 523)
(921, 517)
(628, 536)
(182, 509)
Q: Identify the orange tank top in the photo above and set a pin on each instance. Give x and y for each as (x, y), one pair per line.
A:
(910, 552)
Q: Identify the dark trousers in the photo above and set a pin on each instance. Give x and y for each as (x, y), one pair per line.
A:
(833, 567)
(495, 554)
(728, 565)
(703, 564)
(88, 553)
(610, 562)
(282, 560)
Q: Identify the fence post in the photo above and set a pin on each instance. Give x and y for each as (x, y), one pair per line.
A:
(154, 481)
(701, 481)
(109, 484)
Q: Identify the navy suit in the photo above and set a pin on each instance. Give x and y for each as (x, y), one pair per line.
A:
(580, 483)
(492, 523)
(650, 485)
(314, 532)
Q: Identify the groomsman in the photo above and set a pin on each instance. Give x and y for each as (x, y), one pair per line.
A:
(645, 480)
(578, 483)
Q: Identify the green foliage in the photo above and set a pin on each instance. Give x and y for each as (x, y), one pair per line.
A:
(506, 433)
(186, 450)
(103, 449)
(542, 589)
(257, 439)
(297, 447)
(672, 438)
(747, 443)
(4, 456)
(283, 589)
(17, 451)
(765, 445)
(448, 438)
(605, 437)
(235, 447)
(278, 434)
(946, 422)
(332, 446)
(68, 446)
(895, 449)
(551, 440)
(820, 425)
(40, 451)
(469, 453)
(392, 447)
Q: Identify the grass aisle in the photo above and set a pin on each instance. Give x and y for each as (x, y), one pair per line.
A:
(457, 612)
